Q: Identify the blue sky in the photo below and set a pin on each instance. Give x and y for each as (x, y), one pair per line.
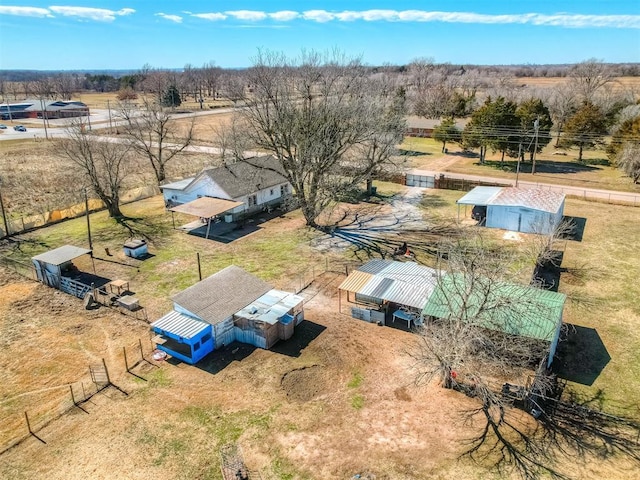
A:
(126, 34)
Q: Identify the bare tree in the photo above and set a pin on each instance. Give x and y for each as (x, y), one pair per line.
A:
(317, 115)
(102, 163)
(65, 85)
(154, 134)
(211, 75)
(562, 105)
(588, 77)
(233, 86)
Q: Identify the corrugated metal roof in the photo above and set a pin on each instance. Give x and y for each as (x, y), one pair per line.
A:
(375, 266)
(179, 185)
(514, 309)
(534, 198)
(270, 307)
(376, 287)
(219, 296)
(409, 272)
(179, 324)
(355, 281)
(480, 196)
(405, 283)
(61, 255)
(415, 296)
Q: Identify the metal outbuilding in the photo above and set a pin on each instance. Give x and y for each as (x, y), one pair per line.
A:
(518, 310)
(527, 210)
(389, 289)
(55, 268)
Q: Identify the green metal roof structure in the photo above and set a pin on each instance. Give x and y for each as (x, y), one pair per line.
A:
(509, 308)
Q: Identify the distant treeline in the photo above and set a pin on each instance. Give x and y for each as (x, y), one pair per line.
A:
(110, 80)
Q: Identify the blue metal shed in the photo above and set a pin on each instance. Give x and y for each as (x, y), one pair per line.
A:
(527, 210)
(184, 337)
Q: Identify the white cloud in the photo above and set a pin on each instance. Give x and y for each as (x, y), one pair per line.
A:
(284, 15)
(249, 15)
(210, 16)
(25, 11)
(368, 15)
(172, 18)
(98, 14)
(318, 15)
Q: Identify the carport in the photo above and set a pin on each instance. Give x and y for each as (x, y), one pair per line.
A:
(478, 197)
(205, 208)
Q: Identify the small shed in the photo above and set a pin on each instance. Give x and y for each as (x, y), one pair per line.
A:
(526, 210)
(231, 305)
(136, 248)
(55, 268)
(268, 319)
(184, 337)
(518, 310)
(386, 290)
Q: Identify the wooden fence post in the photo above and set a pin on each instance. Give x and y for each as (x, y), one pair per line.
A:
(126, 363)
(73, 399)
(106, 371)
(26, 417)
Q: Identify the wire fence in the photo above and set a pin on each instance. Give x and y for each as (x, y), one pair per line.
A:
(26, 223)
(26, 414)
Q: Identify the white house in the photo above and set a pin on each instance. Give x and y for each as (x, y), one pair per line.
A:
(257, 183)
(527, 210)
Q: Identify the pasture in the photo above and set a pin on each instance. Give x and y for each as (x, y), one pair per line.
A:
(337, 400)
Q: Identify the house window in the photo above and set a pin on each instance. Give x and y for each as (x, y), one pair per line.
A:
(253, 200)
(206, 338)
(196, 346)
(283, 190)
(271, 192)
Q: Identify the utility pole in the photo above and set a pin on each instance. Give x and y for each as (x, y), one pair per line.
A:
(86, 209)
(110, 124)
(44, 120)
(536, 126)
(518, 166)
(4, 217)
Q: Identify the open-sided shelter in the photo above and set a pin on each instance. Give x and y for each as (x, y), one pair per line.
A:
(253, 184)
(55, 268)
(512, 309)
(231, 305)
(385, 290)
(527, 210)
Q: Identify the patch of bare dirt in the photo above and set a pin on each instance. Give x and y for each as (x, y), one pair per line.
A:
(305, 383)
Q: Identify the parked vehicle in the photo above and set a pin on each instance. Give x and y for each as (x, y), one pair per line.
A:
(20, 128)
(3, 126)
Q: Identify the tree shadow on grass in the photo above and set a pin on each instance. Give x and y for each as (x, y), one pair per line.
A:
(565, 430)
(144, 228)
(542, 166)
(576, 230)
(582, 356)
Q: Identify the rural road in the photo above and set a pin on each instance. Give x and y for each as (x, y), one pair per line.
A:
(586, 193)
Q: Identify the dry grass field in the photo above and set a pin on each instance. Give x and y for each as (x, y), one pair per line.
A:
(338, 399)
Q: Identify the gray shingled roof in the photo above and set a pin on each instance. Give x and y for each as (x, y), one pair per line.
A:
(222, 294)
(248, 176)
